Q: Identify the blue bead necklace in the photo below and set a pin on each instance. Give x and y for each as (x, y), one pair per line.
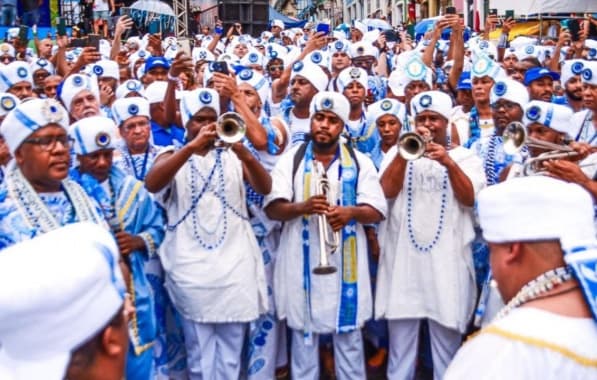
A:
(444, 199)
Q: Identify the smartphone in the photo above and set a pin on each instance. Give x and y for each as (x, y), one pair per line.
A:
(509, 14)
(154, 27)
(493, 11)
(184, 45)
(391, 36)
(220, 67)
(325, 28)
(94, 41)
(450, 10)
(24, 34)
(60, 26)
(573, 27)
(77, 42)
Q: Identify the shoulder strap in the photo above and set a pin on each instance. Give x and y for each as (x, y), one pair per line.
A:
(298, 156)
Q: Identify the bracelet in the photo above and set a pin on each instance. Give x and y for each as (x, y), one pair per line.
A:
(175, 79)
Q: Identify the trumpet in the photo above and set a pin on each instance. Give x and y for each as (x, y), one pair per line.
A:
(328, 239)
(411, 145)
(515, 137)
(230, 128)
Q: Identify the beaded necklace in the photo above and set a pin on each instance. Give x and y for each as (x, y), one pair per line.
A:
(535, 288)
(203, 235)
(474, 127)
(409, 214)
(37, 214)
(130, 162)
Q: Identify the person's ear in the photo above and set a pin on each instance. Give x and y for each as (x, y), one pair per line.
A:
(514, 253)
(19, 156)
(113, 343)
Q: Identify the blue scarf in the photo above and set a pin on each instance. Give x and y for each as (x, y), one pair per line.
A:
(347, 312)
(474, 127)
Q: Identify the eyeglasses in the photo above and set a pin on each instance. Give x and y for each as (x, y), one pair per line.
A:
(48, 143)
(274, 68)
(508, 106)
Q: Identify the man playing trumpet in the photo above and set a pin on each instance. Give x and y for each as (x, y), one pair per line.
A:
(335, 303)
(426, 265)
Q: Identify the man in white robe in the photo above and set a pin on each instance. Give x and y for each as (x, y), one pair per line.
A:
(214, 267)
(336, 303)
(426, 266)
(543, 257)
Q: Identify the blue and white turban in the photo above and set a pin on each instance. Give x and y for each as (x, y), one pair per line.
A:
(92, 134)
(256, 80)
(125, 108)
(28, 117)
(194, 101)
(73, 85)
(13, 73)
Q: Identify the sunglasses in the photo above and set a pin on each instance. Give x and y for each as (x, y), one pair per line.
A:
(275, 68)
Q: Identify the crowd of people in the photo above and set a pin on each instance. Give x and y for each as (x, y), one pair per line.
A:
(299, 204)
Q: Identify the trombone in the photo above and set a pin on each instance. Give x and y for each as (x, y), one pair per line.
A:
(515, 137)
(329, 240)
(230, 128)
(411, 145)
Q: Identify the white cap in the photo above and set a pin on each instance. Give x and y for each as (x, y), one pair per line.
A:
(125, 108)
(349, 75)
(156, 92)
(92, 134)
(128, 86)
(589, 73)
(554, 116)
(253, 57)
(359, 26)
(278, 23)
(332, 102)
(106, 69)
(483, 66)
(202, 54)
(256, 80)
(385, 107)
(435, 101)
(592, 46)
(42, 64)
(13, 73)
(194, 101)
(571, 68)
(57, 291)
(8, 102)
(362, 49)
(73, 84)
(28, 117)
(535, 208)
(510, 90)
(311, 72)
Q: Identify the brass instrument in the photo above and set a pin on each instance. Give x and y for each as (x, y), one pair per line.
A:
(515, 137)
(230, 128)
(328, 239)
(411, 145)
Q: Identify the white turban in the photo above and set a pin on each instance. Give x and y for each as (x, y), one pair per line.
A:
(332, 102)
(92, 134)
(194, 101)
(125, 108)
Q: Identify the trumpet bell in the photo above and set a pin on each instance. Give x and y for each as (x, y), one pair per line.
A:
(411, 146)
(231, 128)
(514, 137)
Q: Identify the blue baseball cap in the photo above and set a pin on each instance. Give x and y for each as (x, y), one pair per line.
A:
(464, 82)
(154, 62)
(538, 73)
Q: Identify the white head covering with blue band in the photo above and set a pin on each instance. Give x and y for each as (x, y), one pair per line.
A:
(92, 134)
(74, 84)
(13, 73)
(28, 117)
(125, 108)
(193, 101)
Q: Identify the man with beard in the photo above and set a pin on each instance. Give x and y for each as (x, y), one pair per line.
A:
(337, 302)
(80, 95)
(572, 82)
(539, 81)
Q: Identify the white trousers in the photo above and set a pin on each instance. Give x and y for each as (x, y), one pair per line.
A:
(404, 339)
(349, 356)
(213, 349)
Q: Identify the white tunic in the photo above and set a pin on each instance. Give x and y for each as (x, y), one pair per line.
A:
(225, 284)
(288, 272)
(439, 284)
(529, 344)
